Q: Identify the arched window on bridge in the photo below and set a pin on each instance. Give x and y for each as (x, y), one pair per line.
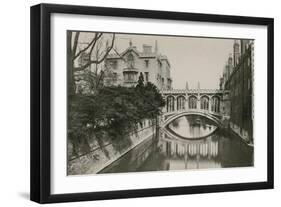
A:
(216, 104)
(204, 102)
(170, 103)
(180, 103)
(192, 102)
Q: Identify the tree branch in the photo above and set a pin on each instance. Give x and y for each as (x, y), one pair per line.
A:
(93, 42)
(91, 50)
(96, 61)
(101, 75)
(77, 34)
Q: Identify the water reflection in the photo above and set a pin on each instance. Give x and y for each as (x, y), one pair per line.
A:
(164, 152)
(193, 154)
(192, 127)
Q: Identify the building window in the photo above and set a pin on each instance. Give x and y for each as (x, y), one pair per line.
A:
(129, 77)
(146, 76)
(249, 83)
(216, 104)
(113, 64)
(192, 102)
(180, 103)
(170, 103)
(146, 63)
(130, 60)
(204, 103)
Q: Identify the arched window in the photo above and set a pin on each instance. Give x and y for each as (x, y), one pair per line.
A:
(192, 102)
(170, 103)
(180, 103)
(204, 103)
(130, 60)
(216, 104)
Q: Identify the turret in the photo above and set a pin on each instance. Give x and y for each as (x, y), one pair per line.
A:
(230, 64)
(244, 45)
(156, 47)
(236, 52)
(186, 85)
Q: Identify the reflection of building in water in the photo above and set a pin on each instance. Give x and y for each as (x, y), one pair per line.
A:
(193, 154)
(204, 149)
(174, 153)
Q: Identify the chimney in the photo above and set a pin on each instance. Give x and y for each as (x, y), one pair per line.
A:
(147, 48)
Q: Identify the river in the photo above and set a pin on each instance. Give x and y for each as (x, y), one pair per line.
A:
(189, 142)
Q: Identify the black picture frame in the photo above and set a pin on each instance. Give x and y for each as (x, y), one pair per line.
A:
(41, 98)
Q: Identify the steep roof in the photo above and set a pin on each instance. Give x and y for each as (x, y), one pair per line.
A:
(139, 54)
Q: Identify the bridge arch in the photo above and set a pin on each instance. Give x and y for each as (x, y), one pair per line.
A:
(193, 112)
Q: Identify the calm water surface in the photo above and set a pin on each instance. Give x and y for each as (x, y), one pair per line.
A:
(190, 142)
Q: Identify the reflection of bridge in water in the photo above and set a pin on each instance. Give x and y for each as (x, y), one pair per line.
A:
(204, 147)
(193, 154)
(203, 102)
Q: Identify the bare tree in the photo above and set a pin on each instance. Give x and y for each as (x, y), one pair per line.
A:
(97, 49)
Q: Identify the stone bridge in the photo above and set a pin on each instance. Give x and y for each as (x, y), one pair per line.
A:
(209, 103)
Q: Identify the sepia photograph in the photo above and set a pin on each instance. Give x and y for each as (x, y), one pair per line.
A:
(129, 103)
(146, 102)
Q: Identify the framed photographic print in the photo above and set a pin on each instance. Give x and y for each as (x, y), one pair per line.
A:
(132, 103)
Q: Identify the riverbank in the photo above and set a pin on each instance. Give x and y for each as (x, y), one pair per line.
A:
(102, 156)
(243, 137)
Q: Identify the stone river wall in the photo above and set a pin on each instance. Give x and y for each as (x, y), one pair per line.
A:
(102, 156)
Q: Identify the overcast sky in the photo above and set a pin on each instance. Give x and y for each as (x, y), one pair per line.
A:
(192, 59)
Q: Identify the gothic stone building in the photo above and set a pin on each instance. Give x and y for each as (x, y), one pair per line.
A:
(124, 68)
(238, 80)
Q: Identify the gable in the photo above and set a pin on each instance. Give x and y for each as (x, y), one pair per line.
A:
(130, 50)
